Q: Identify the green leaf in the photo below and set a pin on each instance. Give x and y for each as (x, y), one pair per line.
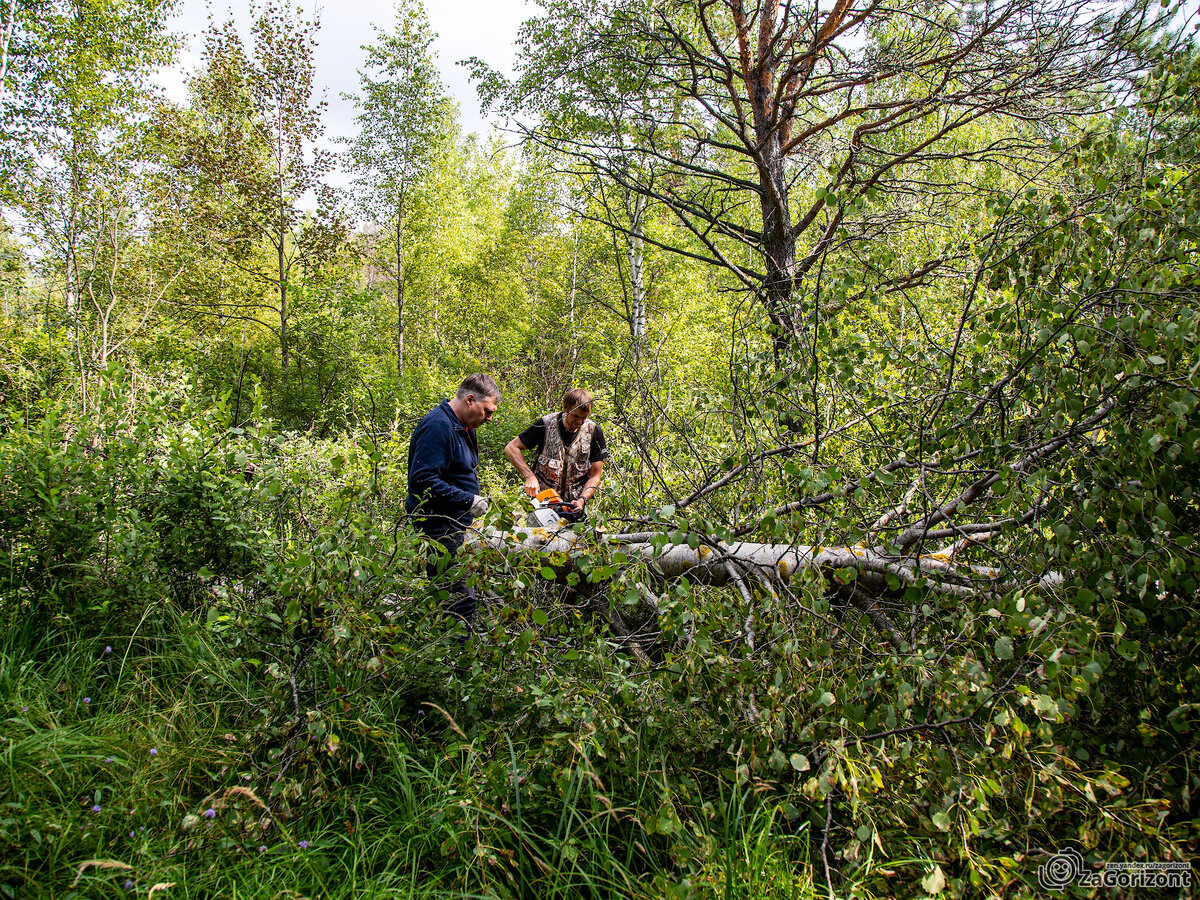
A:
(800, 762)
(548, 573)
(1004, 648)
(1045, 704)
(539, 617)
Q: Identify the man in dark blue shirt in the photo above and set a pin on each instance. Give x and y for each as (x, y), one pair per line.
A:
(443, 488)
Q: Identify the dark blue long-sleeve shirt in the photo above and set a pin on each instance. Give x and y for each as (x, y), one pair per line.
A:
(442, 457)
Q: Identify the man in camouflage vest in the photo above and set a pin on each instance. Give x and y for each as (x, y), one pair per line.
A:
(569, 451)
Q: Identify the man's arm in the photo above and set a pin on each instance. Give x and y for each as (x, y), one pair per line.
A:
(595, 473)
(514, 450)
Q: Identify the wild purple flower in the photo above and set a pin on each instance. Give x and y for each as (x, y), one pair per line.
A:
(154, 751)
(108, 650)
(129, 884)
(131, 834)
(24, 709)
(96, 808)
(110, 759)
(303, 845)
(262, 848)
(209, 813)
(87, 699)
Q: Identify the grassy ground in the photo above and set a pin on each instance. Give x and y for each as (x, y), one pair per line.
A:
(151, 762)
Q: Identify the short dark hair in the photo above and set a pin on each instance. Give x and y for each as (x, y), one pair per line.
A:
(575, 398)
(479, 384)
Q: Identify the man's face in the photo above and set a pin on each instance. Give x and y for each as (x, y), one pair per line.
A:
(574, 418)
(479, 410)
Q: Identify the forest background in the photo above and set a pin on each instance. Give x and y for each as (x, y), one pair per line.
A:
(891, 314)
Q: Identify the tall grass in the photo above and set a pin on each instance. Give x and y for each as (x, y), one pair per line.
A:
(137, 759)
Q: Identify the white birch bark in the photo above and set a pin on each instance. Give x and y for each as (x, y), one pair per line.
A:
(712, 564)
(635, 207)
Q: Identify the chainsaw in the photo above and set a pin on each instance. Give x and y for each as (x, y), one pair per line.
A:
(551, 511)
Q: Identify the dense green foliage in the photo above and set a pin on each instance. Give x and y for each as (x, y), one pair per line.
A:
(302, 664)
(222, 669)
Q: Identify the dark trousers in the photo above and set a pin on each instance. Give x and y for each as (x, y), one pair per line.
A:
(441, 569)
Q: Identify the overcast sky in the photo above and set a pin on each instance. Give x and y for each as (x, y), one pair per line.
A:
(465, 28)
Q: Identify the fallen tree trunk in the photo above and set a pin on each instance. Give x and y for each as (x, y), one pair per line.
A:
(859, 576)
(718, 562)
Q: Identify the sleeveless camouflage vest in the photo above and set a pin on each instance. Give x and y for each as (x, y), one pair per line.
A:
(562, 467)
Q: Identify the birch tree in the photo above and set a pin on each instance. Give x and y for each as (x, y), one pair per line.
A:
(282, 82)
(76, 87)
(243, 159)
(403, 116)
(214, 187)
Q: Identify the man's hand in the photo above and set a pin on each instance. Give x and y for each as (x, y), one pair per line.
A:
(479, 505)
(578, 503)
(531, 485)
